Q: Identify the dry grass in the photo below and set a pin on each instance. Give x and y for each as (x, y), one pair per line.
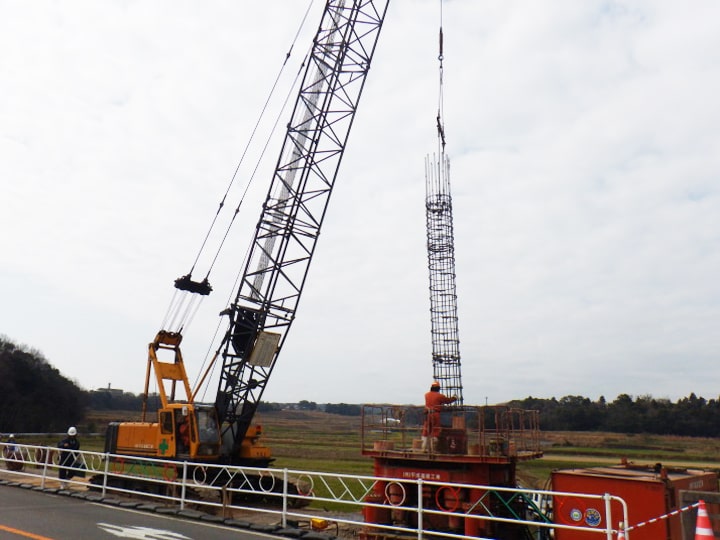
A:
(634, 446)
(313, 440)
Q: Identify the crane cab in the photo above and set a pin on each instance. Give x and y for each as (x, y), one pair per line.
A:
(192, 430)
(183, 432)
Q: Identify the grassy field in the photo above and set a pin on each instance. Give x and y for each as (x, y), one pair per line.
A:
(311, 440)
(318, 441)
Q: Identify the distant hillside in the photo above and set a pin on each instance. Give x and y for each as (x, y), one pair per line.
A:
(34, 396)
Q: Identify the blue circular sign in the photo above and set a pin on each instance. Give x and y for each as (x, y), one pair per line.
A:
(592, 517)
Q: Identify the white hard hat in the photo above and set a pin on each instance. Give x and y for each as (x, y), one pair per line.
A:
(72, 431)
(12, 436)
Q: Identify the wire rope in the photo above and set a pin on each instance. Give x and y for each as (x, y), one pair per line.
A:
(441, 97)
(263, 110)
(237, 210)
(173, 315)
(238, 277)
(257, 164)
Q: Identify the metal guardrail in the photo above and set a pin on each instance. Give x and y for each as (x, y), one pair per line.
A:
(362, 504)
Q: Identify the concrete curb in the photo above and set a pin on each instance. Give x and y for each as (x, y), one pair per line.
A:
(278, 530)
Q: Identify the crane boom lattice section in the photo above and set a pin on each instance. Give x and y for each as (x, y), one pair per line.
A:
(289, 225)
(441, 263)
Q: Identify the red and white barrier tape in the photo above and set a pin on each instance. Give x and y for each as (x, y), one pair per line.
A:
(666, 516)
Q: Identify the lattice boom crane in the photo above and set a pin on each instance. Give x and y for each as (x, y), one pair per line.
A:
(277, 265)
(293, 213)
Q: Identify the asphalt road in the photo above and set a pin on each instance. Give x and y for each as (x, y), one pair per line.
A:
(25, 513)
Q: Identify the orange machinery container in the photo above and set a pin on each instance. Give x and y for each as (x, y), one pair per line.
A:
(650, 492)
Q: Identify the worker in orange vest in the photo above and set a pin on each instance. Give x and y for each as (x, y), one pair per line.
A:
(434, 401)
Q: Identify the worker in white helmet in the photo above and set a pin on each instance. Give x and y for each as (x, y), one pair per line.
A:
(11, 453)
(67, 447)
(11, 444)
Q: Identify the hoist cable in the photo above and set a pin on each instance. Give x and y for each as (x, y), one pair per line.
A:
(170, 309)
(280, 115)
(250, 140)
(441, 100)
(227, 231)
(239, 274)
(180, 297)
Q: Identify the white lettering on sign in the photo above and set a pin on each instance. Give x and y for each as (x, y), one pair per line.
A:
(421, 475)
(141, 533)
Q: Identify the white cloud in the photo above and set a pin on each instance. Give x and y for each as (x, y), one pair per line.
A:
(585, 170)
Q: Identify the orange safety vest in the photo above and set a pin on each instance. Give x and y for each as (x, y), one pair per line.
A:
(433, 404)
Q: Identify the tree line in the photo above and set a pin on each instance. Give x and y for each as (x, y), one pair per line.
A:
(36, 397)
(690, 416)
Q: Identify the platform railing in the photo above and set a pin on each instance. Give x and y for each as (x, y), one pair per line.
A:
(368, 506)
(490, 431)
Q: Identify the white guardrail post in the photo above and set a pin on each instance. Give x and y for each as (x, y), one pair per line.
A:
(608, 513)
(283, 518)
(184, 483)
(46, 455)
(106, 473)
(420, 508)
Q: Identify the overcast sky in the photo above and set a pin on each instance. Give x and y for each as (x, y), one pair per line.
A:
(585, 155)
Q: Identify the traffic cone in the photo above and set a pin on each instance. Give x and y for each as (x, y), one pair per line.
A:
(703, 529)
